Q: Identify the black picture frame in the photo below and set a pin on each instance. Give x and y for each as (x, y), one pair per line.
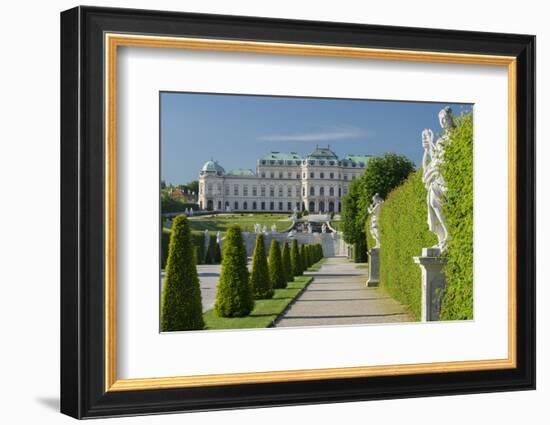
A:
(83, 392)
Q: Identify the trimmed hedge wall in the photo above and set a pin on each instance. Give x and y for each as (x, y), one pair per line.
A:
(403, 233)
(457, 303)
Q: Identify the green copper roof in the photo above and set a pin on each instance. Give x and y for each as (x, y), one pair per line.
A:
(281, 156)
(359, 158)
(322, 153)
(212, 167)
(242, 172)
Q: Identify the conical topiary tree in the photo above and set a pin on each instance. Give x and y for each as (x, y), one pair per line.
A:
(276, 269)
(295, 262)
(217, 253)
(234, 296)
(303, 258)
(181, 303)
(260, 283)
(286, 262)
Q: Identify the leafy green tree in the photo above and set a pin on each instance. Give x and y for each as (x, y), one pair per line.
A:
(181, 303)
(286, 262)
(276, 270)
(382, 174)
(295, 262)
(260, 281)
(234, 296)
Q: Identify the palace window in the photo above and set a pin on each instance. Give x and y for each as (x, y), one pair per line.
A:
(209, 187)
(272, 175)
(322, 191)
(245, 205)
(322, 175)
(280, 206)
(263, 175)
(262, 190)
(312, 191)
(331, 175)
(345, 190)
(280, 191)
(289, 206)
(219, 186)
(245, 191)
(254, 205)
(254, 191)
(345, 176)
(280, 174)
(263, 206)
(289, 191)
(297, 175)
(311, 175)
(271, 191)
(226, 190)
(236, 190)
(339, 191)
(236, 205)
(304, 191)
(271, 206)
(331, 191)
(219, 205)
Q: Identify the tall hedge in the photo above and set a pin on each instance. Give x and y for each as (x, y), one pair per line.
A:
(403, 233)
(164, 245)
(295, 262)
(286, 262)
(181, 303)
(303, 259)
(260, 281)
(457, 303)
(360, 249)
(234, 295)
(213, 254)
(276, 270)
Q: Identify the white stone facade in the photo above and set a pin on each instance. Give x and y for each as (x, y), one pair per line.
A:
(282, 182)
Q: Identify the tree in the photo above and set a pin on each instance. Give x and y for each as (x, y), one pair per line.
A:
(303, 258)
(213, 255)
(295, 263)
(234, 296)
(181, 303)
(287, 268)
(276, 269)
(382, 174)
(260, 281)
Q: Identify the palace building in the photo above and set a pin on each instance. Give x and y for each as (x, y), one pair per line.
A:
(282, 182)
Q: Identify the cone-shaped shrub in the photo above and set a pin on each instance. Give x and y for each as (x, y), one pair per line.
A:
(217, 253)
(295, 263)
(234, 296)
(181, 304)
(303, 259)
(286, 263)
(276, 269)
(260, 281)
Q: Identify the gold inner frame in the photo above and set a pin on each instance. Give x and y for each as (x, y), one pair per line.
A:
(113, 41)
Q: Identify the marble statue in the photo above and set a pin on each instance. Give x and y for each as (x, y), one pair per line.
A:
(373, 210)
(218, 237)
(432, 178)
(264, 230)
(257, 228)
(309, 228)
(273, 228)
(324, 228)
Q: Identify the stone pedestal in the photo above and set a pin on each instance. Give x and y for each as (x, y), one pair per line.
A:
(433, 282)
(374, 267)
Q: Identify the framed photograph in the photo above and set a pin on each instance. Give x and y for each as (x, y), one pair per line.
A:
(261, 212)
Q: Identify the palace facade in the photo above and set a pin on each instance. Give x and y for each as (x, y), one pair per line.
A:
(282, 182)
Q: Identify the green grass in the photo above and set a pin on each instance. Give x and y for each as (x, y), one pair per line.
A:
(245, 220)
(335, 225)
(317, 266)
(265, 311)
(361, 266)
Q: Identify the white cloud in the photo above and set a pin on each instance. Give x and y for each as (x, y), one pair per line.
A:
(322, 136)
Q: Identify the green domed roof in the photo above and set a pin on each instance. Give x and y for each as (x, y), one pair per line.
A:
(212, 167)
(242, 172)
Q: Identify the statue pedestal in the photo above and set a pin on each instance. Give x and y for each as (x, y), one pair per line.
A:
(374, 267)
(433, 282)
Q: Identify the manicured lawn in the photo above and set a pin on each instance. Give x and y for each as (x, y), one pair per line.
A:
(335, 225)
(246, 221)
(265, 311)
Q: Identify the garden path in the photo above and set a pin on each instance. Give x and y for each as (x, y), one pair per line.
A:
(338, 296)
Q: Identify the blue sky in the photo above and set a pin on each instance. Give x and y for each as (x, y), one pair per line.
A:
(236, 130)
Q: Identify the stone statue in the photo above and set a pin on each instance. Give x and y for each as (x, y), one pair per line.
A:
(433, 179)
(373, 210)
(218, 237)
(264, 230)
(257, 228)
(309, 228)
(324, 228)
(273, 228)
